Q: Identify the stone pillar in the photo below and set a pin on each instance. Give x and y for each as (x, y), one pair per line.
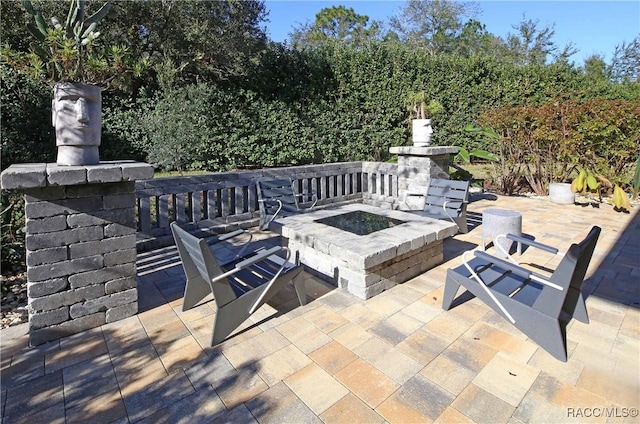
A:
(80, 242)
(417, 165)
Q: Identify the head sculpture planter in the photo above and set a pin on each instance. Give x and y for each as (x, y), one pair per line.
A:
(77, 118)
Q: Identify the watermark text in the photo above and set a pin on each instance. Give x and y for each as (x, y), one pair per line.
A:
(607, 412)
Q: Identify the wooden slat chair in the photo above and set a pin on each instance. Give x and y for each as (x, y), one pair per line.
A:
(277, 198)
(539, 306)
(240, 287)
(445, 199)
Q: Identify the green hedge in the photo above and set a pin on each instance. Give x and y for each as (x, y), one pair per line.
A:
(300, 107)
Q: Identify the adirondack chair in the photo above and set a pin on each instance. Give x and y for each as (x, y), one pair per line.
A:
(239, 288)
(445, 199)
(539, 306)
(277, 198)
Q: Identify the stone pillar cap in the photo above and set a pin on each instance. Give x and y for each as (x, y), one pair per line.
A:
(34, 175)
(423, 151)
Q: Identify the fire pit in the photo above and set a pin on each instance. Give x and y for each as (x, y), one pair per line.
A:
(360, 222)
(364, 248)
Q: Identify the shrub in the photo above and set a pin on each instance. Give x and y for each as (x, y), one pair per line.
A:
(27, 132)
(545, 143)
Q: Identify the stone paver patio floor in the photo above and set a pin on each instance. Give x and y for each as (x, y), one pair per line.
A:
(397, 357)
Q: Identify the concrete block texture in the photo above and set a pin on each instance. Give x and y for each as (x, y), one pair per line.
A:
(43, 288)
(102, 275)
(121, 312)
(81, 244)
(120, 284)
(64, 268)
(66, 175)
(44, 319)
(43, 209)
(24, 176)
(102, 246)
(64, 298)
(104, 303)
(47, 256)
(46, 225)
(66, 328)
(63, 238)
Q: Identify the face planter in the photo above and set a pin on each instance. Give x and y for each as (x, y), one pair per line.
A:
(77, 118)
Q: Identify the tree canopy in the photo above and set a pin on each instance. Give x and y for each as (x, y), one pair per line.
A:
(335, 24)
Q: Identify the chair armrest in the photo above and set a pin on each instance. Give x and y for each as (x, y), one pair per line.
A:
(528, 242)
(273, 201)
(232, 234)
(314, 197)
(264, 254)
(403, 200)
(259, 257)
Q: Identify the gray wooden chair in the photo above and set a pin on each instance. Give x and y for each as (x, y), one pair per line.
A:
(240, 287)
(445, 199)
(277, 198)
(539, 306)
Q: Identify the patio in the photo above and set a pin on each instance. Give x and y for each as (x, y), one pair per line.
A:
(397, 357)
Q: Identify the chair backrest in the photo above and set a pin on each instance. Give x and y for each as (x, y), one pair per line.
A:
(569, 275)
(272, 191)
(199, 262)
(454, 193)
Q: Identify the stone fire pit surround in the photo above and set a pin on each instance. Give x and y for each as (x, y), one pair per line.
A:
(366, 265)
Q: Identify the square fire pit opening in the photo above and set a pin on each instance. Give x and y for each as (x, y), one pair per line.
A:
(360, 222)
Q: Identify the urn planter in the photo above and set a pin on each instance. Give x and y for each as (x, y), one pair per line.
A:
(561, 193)
(421, 132)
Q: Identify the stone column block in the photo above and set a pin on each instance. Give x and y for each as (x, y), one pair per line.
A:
(417, 165)
(81, 244)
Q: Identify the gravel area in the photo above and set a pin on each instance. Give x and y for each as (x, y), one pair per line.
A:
(14, 300)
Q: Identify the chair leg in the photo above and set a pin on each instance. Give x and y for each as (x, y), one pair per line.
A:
(580, 312)
(548, 334)
(461, 222)
(451, 287)
(195, 290)
(556, 343)
(230, 316)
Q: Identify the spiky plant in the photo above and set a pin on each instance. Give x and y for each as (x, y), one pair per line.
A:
(68, 52)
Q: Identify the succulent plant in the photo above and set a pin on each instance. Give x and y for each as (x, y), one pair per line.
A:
(67, 51)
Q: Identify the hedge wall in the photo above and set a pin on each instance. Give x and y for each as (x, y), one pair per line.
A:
(299, 107)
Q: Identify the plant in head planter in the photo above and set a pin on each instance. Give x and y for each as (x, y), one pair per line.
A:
(421, 114)
(68, 56)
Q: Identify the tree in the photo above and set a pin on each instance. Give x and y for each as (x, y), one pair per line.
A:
(625, 64)
(191, 41)
(431, 24)
(335, 24)
(595, 68)
(474, 39)
(187, 41)
(531, 45)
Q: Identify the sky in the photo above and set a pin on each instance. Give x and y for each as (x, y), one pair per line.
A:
(593, 27)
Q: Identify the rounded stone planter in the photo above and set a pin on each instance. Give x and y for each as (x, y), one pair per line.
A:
(561, 193)
(421, 132)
